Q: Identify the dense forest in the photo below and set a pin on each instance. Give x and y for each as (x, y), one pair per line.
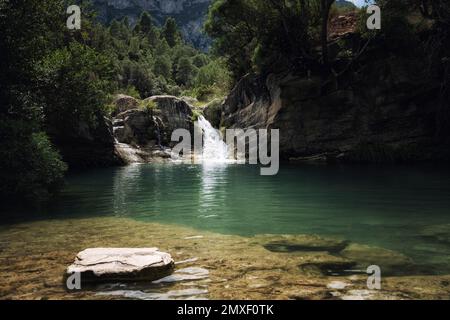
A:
(53, 78)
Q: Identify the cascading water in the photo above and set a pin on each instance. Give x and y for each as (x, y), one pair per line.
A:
(214, 148)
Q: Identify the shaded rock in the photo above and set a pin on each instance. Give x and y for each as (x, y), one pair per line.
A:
(213, 112)
(171, 113)
(89, 145)
(121, 264)
(136, 127)
(390, 119)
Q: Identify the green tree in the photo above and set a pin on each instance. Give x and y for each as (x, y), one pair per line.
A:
(163, 66)
(145, 23)
(170, 32)
(185, 72)
(76, 83)
(30, 167)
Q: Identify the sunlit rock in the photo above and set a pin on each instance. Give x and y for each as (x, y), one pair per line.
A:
(121, 264)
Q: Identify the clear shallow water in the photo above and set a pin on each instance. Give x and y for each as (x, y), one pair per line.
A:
(381, 206)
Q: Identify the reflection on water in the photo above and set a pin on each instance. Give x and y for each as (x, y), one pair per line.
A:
(390, 207)
(210, 197)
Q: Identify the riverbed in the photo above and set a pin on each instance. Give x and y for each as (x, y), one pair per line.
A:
(308, 233)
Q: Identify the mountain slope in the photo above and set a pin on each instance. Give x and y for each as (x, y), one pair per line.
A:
(190, 14)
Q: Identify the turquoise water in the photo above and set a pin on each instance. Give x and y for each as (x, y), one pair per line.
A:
(381, 206)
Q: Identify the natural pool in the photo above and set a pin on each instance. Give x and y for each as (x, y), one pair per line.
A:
(396, 217)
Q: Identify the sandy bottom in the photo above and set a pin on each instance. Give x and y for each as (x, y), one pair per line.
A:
(34, 256)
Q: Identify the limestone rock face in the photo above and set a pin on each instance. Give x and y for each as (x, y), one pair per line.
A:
(143, 130)
(121, 264)
(190, 14)
(385, 114)
(171, 113)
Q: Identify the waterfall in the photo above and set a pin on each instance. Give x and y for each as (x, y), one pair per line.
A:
(214, 148)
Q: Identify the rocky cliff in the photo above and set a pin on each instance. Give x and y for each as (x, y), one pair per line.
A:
(89, 145)
(386, 113)
(143, 129)
(190, 14)
(138, 131)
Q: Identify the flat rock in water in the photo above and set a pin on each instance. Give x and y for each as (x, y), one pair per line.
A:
(122, 264)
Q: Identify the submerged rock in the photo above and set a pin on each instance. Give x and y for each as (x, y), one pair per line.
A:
(389, 261)
(191, 273)
(328, 265)
(303, 243)
(438, 233)
(186, 294)
(121, 264)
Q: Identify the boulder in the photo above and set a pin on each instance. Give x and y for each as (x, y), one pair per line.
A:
(121, 264)
(89, 145)
(124, 103)
(136, 127)
(170, 113)
(144, 133)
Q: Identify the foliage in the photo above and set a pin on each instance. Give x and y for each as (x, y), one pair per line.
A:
(259, 35)
(29, 165)
(75, 82)
(57, 82)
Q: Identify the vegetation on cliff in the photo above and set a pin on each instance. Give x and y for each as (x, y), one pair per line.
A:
(322, 43)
